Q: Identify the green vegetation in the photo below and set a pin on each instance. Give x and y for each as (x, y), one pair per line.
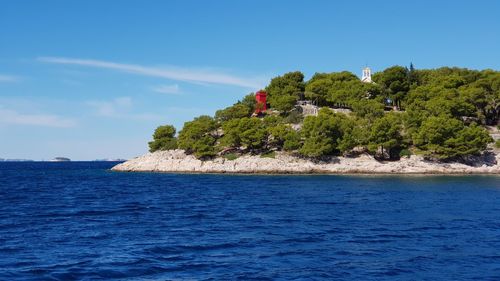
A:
(231, 156)
(270, 154)
(438, 113)
(445, 138)
(284, 136)
(385, 135)
(284, 91)
(321, 134)
(497, 144)
(163, 139)
(198, 137)
(247, 133)
(405, 153)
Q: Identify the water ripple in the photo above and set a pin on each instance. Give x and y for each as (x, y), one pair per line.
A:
(79, 221)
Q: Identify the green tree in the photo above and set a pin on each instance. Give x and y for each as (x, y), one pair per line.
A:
(395, 83)
(441, 107)
(336, 87)
(292, 141)
(249, 133)
(249, 101)
(386, 135)
(347, 89)
(355, 132)
(272, 120)
(451, 105)
(253, 133)
(294, 117)
(231, 137)
(321, 134)
(317, 91)
(412, 75)
(238, 110)
(369, 109)
(434, 133)
(284, 91)
(283, 136)
(484, 95)
(197, 137)
(163, 139)
(448, 138)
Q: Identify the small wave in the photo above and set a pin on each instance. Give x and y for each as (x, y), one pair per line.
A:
(369, 241)
(208, 247)
(311, 239)
(11, 250)
(394, 272)
(399, 236)
(172, 250)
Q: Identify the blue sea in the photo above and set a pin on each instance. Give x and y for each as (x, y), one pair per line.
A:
(81, 221)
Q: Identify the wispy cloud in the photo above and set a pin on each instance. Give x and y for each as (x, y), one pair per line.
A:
(12, 117)
(113, 108)
(120, 108)
(167, 89)
(173, 73)
(8, 78)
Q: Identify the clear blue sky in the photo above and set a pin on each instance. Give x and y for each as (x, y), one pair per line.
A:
(92, 79)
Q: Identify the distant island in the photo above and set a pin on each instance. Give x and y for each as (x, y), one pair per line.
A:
(60, 159)
(399, 120)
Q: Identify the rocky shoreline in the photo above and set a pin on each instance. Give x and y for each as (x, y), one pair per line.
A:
(176, 161)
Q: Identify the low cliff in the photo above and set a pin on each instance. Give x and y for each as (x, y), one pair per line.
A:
(176, 161)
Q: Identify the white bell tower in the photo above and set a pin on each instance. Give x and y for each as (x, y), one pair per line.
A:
(367, 75)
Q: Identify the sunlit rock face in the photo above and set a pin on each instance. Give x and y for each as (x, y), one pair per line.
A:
(177, 161)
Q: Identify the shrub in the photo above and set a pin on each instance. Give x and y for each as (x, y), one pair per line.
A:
(294, 117)
(497, 144)
(231, 156)
(405, 153)
(270, 154)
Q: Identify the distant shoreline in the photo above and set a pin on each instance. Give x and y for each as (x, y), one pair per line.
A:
(176, 161)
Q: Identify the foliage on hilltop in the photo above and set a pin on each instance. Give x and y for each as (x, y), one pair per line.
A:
(439, 113)
(163, 139)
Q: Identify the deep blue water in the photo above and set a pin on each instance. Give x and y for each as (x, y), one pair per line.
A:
(80, 221)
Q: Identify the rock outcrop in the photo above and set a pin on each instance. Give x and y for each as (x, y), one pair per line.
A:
(176, 161)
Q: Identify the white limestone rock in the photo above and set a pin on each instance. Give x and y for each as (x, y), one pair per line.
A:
(176, 161)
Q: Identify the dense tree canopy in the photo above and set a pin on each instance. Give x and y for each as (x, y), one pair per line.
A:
(198, 137)
(284, 91)
(238, 110)
(439, 113)
(282, 135)
(163, 139)
(448, 138)
(249, 133)
(395, 83)
(385, 135)
(321, 133)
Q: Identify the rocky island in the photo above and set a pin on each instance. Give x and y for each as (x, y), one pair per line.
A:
(398, 121)
(176, 161)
